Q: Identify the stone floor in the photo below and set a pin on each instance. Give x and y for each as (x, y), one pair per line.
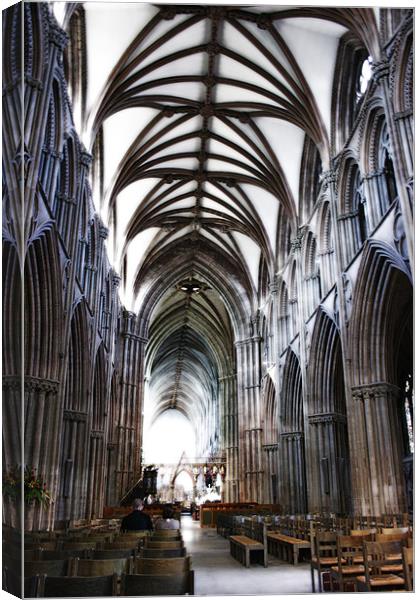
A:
(218, 574)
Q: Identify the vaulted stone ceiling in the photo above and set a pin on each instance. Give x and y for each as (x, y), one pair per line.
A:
(200, 115)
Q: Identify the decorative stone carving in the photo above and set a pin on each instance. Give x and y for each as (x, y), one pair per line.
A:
(380, 70)
(331, 417)
(375, 391)
(58, 36)
(292, 435)
(348, 296)
(75, 415)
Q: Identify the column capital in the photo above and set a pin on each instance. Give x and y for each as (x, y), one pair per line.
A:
(375, 390)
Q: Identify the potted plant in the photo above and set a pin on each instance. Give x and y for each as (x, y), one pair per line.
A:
(35, 493)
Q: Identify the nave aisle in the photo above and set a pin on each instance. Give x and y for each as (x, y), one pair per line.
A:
(217, 573)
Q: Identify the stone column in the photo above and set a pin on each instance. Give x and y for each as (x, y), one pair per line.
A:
(400, 158)
(229, 444)
(249, 411)
(130, 420)
(378, 481)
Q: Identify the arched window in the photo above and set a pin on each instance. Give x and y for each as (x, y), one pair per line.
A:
(351, 78)
(365, 75)
(310, 179)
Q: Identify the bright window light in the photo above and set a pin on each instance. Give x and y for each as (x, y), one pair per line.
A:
(170, 435)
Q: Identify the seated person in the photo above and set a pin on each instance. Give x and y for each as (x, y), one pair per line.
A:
(137, 520)
(167, 521)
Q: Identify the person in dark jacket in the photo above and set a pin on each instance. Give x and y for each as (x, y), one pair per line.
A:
(137, 520)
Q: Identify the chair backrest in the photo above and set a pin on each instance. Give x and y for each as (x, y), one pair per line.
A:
(64, 554)
(163, 566)
(127, 545)
(12, 583)
(165, 544)
(115, 553)
(376, 555)
(162, 552)
(394, 530)
(54, 568)
(366, 533)
(166, 533)
(158, 585)
(78, 545)
(349, 547)
(325, 543)
(73, 587)
(93, 568)
(408, 568)
(127, 535)
(44, 544)
(392, 537)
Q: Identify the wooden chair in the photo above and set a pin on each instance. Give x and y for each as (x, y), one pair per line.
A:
(162, 552)
(324, 557)
(365, 533)
(158, 585)
(166, 534)
(53, 568)
(408, 568)
(380, 562)
(44, 545)
(394, 530)
(115, 553)
(131, 535)
(350, 562)
(78, 546)
(64, 554)
(73, 587)
(94, 568)
(127, 545)
(12, 583)
(165, 544)
(155, 566)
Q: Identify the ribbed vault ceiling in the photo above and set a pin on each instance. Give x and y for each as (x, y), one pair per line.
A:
(203, 112)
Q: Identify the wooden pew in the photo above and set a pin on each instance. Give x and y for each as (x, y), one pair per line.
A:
(286, 547)
(156, 566)
(158, 585)
(241, 547)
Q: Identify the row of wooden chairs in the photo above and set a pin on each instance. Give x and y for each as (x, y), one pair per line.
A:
(343, 558)
(161, 552)
(44, 586)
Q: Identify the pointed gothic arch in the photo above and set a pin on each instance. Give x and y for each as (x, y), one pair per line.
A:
(292, 438)
(382, 362)
(74, 439)
(327, 444)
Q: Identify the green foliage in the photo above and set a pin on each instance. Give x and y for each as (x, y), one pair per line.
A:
(34, 488)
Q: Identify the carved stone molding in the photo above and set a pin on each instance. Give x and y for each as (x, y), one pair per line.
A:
(375, 391)
(97, 434)
(85, 159)
(31, 384)
(380, 70)
(270, 447)
(34, 83)
(58, 36)
(292, 435)
(328, 178)
(331, 417)
(75, 415)
(103, 232)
